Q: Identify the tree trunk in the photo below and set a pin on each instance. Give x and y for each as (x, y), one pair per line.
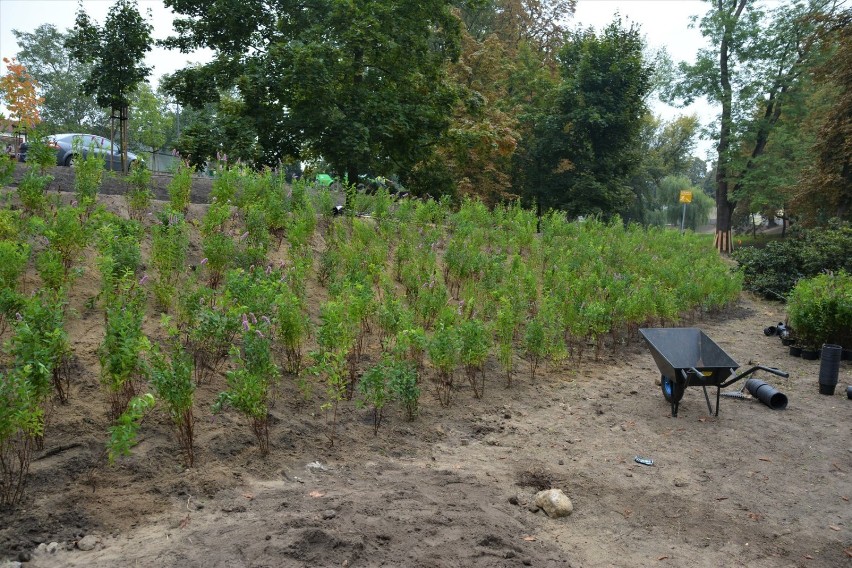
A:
(725, 207)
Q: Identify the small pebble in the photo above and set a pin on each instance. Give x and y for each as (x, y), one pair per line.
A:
(329, 514)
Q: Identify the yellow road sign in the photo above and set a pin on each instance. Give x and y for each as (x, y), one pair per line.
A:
(685, 197)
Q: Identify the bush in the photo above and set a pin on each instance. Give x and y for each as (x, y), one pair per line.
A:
(774, 270)
(820, 310)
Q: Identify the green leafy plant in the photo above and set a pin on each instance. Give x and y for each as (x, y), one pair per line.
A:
(474, 345)
(31, 191)
(173, 384)
(335, 338)
(180, 188)
(7, 169)
(122, 435)
(170, 242)
(139, 193)
(374, 392)
(250, 381)
(21, 422)
(41, 342)
(122, 352)
(820, 310)
(292, 326)
(88, 174)
(403, 384)
(444, 353)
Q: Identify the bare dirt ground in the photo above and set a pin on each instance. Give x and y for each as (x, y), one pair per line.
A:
(754, 487)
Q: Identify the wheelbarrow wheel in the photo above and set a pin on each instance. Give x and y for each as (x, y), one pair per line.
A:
(671, 390)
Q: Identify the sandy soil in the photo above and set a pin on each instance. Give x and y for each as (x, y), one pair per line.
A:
(753, 487)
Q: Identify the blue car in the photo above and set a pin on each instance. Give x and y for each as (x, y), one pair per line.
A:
(64, 144)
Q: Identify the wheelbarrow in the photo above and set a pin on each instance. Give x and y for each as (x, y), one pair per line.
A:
(687, 357)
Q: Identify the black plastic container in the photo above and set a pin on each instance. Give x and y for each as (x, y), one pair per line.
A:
(795, 351)
(767, 394)
(829, 368)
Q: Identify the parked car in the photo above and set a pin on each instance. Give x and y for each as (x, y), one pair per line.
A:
(103, 147)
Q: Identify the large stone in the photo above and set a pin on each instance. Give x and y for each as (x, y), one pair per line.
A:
(554, 502)
(88, 542)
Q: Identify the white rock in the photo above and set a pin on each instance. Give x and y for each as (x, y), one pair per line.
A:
(88, 542)
(554, 502)
(52, 547)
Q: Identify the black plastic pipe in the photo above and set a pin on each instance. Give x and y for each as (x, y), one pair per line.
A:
(767, 394)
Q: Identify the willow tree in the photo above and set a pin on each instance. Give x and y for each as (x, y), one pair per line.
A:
(116, 53)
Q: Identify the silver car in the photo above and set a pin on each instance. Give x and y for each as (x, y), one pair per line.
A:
(109, 151)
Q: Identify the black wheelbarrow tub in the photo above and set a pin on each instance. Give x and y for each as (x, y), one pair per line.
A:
(684, 348)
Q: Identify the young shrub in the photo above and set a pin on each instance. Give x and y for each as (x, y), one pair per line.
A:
(40, 342)
(139, 193)
(41, 151)
(335, 339)
(250, 381)
(88, 175)
(211, 330)
(474, 345)
(173, 384)
(444, 352)
(374, 391)
(14, 256)
(216, 244)
(170, 242)
(293, 329)
(119, 253)
(122, 351)
(7, 169)
(403, 386)
(180, 188)
(505, 325)
(21, 422)
(68, 234)
(31, 192)
(820, 310)
(122, 435)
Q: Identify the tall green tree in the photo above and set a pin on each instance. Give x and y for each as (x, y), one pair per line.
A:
(755, 60)
(152, 124)
(59, 77)
(826, 186)
(584, 148)
(116, 53)
(359, 83)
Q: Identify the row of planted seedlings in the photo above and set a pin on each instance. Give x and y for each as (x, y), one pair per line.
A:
(430, 291)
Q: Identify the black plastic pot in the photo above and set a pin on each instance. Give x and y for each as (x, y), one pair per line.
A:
(787, 341)
(849, 392)
(810, 354)
(795, 351)
(767, 394)
(847, 355)
(829, 368)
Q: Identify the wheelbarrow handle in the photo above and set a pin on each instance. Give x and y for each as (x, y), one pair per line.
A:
(752, 370)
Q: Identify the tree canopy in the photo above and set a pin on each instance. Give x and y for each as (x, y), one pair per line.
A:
(59, 76)
(358, 83)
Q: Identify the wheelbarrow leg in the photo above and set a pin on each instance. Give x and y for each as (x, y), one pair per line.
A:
(707, 398)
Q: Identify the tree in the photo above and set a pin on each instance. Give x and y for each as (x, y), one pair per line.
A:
(152, 123)
(359, 83)
(116, 52)
(59, 77)
(827, 185)
(754, 62)
(584, 147)
(19, 92)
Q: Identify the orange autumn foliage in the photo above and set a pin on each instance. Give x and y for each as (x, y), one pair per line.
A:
(18, 91)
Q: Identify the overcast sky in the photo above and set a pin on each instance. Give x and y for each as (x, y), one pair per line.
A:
(665, 23)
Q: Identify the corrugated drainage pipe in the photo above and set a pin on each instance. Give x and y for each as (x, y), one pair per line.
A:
(767, 394)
